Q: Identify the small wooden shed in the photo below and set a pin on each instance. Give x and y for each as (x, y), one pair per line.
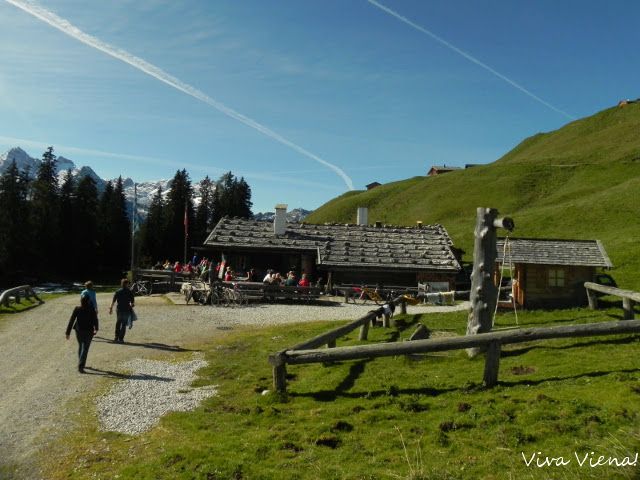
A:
(550, 273)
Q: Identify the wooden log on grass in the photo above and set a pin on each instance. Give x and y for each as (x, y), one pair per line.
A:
(296, 357)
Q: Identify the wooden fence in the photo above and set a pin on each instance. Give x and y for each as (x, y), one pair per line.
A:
(15, 293)
(280, 359)
(308, 352)
(629, 297)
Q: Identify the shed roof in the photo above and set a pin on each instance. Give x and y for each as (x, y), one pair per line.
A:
(344, 245)
(542, 251)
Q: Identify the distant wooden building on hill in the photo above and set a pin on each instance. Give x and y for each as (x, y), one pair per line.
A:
(551, 273)
(337, 253)
(440, 169)
(373, 185)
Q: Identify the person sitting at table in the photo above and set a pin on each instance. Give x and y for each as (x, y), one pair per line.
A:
(252, 276)
(291, 280)
(304, 281)
(229, 276)
(268, 278)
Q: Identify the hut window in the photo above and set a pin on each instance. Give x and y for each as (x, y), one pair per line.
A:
(556, 277)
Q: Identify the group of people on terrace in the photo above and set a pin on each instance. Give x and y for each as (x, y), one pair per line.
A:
(274, 278)
(207, 270)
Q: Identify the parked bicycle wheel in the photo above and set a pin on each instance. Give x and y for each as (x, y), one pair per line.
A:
(216, 298)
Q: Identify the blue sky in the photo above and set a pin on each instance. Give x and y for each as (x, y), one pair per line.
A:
(351, 85)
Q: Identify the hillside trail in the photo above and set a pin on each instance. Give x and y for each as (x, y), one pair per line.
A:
(38, 372)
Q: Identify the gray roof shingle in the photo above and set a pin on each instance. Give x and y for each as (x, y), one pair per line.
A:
(589, 253)
(426, 248)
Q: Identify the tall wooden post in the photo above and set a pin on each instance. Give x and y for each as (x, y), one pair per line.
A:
(484, 293)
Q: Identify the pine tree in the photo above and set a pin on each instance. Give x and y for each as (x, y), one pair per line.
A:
(120, 228)
(152, 230)
(14, 231)
(85, 228)
(234, 197)
(105, 246)
(179, 211)
(242, 196)
(44, 214)
(202, 221)
(67, 194)
(216, 207)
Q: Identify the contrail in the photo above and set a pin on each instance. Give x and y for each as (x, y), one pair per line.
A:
(67, 28)
(468, 57)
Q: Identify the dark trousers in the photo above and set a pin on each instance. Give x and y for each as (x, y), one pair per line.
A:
(121, 324)
(84, 342)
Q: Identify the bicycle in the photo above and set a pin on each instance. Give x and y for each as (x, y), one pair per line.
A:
(369, 294)
(141, 287)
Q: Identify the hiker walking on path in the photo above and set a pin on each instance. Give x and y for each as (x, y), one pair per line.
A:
(91, 293)
(126, 302)
(85, 322)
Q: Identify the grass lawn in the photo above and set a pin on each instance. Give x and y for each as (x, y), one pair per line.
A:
(397, 417)
(26, 304)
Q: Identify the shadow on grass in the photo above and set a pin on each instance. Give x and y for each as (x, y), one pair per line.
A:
(125, 376)
(153, 345)
(569, 377)
(614, 341)
(331, 395)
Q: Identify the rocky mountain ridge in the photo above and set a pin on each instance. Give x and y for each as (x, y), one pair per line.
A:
(144, 191)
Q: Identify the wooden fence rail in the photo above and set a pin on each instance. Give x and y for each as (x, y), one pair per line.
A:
(26, 291)
(629, 297)
(493, 342)
(279, 360)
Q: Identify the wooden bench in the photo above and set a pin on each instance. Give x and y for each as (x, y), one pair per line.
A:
(282, 292)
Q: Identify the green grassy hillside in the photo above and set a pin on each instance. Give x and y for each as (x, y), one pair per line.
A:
(581, 181)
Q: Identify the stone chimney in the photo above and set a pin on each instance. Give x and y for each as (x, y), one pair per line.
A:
(363, 216)
(280, 220)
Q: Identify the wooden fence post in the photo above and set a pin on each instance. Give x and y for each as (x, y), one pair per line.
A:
(593, 299)
(278, 361)
(364, 331)
(403, 307)
(627, 306)
(492, 364)
(386, 320)
(483, 296)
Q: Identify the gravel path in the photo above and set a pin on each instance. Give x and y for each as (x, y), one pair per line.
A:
(38, 370)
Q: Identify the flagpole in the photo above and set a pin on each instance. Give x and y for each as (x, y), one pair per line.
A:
(186, 231)
(133, 223)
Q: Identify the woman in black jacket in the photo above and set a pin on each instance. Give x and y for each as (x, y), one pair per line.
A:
(84, 321)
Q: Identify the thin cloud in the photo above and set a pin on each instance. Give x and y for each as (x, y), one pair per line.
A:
(67, 28)
(468, 57)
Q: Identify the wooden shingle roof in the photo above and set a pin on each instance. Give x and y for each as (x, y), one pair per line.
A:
(589, 253)
(344, 245)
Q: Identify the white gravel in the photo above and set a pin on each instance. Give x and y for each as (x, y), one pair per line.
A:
(153, 389)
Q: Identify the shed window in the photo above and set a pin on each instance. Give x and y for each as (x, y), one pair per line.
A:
(556, 277)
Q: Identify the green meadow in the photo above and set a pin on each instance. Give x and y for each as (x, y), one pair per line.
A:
(578, 182)
(418, 417)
